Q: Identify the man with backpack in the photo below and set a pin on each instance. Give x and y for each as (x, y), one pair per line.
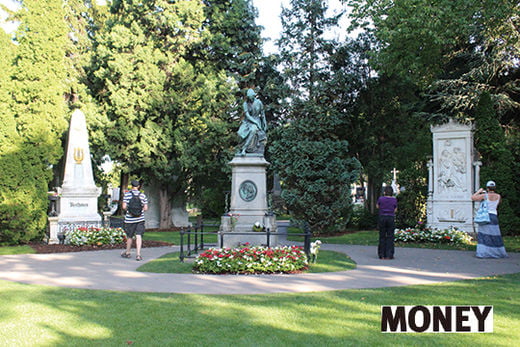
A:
(135, 203)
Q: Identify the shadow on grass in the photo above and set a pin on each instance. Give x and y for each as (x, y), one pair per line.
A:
(39, 315)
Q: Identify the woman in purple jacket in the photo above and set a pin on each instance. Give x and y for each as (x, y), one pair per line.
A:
(387, 206)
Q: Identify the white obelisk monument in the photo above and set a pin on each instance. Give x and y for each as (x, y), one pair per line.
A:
(79, 193)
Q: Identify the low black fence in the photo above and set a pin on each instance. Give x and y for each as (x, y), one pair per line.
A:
(190, 249)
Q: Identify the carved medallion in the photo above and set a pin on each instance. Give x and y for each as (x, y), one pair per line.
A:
(247, 191)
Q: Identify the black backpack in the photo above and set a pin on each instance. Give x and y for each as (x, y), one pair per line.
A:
(135, 206)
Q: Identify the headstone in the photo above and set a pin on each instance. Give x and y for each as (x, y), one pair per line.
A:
(152, 216)
(453, 176)
(178, 212)
(79, 193)
(278, 204)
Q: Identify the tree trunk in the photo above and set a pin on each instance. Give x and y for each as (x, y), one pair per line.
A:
(165, 209)
(373, 193)
(123, 185)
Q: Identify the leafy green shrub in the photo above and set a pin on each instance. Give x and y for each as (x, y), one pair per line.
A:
(367, 220)
(212, 202)
(247, 259)
(451, 235)
(362, 218)
(316, 171)
(94, 236)
(412, 200)
(23, 194)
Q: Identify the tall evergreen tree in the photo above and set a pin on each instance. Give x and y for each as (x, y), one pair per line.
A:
(166, 113)
(232, 40)
(35, 117)
(311, 158)
(453, 50)
(303, 46)
(386, 133)
(496, 162)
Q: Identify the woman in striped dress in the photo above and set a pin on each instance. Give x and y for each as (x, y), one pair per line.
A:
(490, 243)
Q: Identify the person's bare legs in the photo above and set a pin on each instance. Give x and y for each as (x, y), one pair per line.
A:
(128, 245)
(138, 244)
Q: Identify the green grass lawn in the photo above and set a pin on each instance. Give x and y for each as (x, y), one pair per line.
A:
(16, 250)
(32, 315)
(328, 261)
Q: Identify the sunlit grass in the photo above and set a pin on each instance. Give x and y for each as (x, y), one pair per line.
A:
(16, 250)
(33, 315)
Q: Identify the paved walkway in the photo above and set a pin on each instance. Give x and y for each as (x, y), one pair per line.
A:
(107, 270)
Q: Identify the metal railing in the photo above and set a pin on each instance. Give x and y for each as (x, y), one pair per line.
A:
(187, 251)
(198, 240)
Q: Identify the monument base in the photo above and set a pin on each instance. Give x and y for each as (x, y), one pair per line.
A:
(248, 204)
(447, 214)
(53, 231)
(238, 230)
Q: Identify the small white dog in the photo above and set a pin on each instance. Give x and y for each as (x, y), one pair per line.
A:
(315, 248)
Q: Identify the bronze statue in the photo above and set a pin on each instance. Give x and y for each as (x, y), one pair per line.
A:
(253, 129)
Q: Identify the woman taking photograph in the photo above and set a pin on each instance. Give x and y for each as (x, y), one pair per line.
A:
(490, 243)
(387, 206)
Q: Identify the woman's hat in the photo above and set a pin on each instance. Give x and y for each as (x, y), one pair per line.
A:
(491, 184)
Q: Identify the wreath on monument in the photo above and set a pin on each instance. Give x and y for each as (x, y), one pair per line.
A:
(257, 227)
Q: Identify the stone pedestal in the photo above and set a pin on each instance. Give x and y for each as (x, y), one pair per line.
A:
(451, 177)
(53, 230)
(79, 193)
(248, 203)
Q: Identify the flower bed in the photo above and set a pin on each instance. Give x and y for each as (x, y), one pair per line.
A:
(247, 259)
(95, 236)
(451, 235)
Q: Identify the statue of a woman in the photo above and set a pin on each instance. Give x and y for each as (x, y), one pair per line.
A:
(253, 128)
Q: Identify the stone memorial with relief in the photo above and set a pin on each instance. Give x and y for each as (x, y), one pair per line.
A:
(453, 177)
(248, 205)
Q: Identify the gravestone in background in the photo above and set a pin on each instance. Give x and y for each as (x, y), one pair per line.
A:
(453, 177)
(152, 216)
(78, 203)
(178, 211)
